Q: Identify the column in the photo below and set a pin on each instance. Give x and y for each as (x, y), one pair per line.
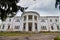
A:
(33, 26)
(26, 24)
(38, 25)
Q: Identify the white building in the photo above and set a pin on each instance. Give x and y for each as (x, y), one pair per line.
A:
(31, 21)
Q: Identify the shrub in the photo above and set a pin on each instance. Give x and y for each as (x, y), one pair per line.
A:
(57, 38)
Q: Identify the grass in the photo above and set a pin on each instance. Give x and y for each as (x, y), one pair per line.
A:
(14, 34)
(24, 33)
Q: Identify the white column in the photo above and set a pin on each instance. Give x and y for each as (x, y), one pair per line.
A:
(26, 24)
(33, 26)
(38, 24)
(21, 25)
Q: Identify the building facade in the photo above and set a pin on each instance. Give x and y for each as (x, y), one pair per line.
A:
(31, 21)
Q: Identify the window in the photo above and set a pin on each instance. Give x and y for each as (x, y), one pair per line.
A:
(50, 20)
(30, 17)
(42, 20)
(8, 26)
(56, 20)
(58, 28)
(35, 17)
(24, 18)
(36, 26)
(17, 20)
(43, 27)
(3, 27)
(9, 20)
(52, 28)
(17, 27)
(24, 25)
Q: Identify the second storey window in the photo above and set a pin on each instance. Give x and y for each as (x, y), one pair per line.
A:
(42, 20)
(50, 20)
(17, 27)
(30, 17)
(56, 20)
(43, 27)
(17, 20)
(9, 20)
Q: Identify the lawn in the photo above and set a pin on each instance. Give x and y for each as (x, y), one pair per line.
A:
(25, 33)
(14, 34)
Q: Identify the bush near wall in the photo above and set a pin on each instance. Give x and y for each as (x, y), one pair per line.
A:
(57, 38)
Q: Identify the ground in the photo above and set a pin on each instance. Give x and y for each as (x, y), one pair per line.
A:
(36, 36)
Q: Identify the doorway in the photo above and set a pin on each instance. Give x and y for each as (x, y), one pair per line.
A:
(30, 26)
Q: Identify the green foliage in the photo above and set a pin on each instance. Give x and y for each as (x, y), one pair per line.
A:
(9, 8)
(57, 38)
(57, 3)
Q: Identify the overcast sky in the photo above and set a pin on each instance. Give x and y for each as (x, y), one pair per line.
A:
(43, 7)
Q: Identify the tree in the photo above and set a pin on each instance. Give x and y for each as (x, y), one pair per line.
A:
(9, 8)
(57, 3)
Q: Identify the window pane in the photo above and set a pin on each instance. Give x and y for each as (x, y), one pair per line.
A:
(43, 27)
(17, 20)
(52, 28)
(24, 25)
(30, 17)
(36, 26)
(56, 20)
(9, 20)
(17, 27)
(8, 26)
(3, 27)
(58, 28)
(42, 20)
(50, 20)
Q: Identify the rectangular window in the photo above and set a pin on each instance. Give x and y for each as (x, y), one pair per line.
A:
(50, 20)
(36, 26)
(52, 28)
(30, 17)
(43, 27)
(42, 20)
(58, 28)
(56, 20)
(17, 20)
(8, 26)
(24, 25)
(3, 26)
(17, 27)
(9, 20)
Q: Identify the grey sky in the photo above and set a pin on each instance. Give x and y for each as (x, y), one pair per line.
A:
(43, 7)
